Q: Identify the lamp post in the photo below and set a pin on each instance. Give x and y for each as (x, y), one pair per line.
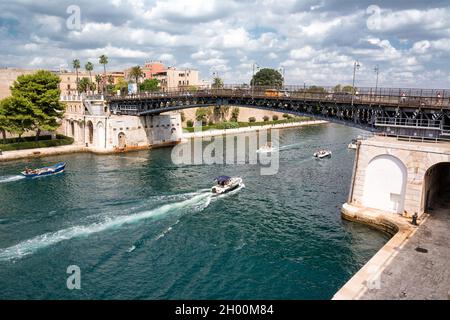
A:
(356, 65)
(377, 71)
(282, 71)
(254, 66)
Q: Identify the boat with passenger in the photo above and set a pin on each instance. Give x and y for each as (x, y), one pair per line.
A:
(323, 154)
(45, 171)
(352, 144)
(226, 184)
(266, 148)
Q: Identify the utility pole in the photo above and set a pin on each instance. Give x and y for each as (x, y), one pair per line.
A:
(356, 65)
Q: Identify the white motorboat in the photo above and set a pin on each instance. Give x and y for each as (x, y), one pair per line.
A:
(226, 184)
(266, 148)
(322, 154)
(352, 145)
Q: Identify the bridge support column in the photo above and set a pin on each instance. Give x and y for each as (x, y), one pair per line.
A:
(389, 175)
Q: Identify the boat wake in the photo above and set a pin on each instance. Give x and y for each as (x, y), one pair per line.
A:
(196, 203)
(7, 179)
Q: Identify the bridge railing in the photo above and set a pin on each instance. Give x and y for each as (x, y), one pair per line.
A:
(406, 122)
(390, 96)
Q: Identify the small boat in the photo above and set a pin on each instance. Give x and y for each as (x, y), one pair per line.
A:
(266, 148)
(322, 154)
(226, 184)
(352, 145)
(45, 171)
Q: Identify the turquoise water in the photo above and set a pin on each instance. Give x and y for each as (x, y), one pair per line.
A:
(140, 227)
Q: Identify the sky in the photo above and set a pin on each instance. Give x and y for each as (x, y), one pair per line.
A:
(316, 42)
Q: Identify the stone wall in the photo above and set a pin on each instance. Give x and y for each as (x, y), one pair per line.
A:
(416, 157)
(244, 114)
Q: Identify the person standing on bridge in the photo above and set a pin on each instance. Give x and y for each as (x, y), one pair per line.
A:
(403, 98)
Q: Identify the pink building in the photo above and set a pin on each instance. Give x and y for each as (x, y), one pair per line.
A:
(152, 67)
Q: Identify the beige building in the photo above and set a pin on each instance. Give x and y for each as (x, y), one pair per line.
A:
(173, 79)
(68, 85)
(7, 78)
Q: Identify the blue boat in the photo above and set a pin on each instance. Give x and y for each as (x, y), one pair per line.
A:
(45, 171)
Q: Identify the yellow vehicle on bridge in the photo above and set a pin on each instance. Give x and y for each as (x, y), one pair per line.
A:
(276, 93)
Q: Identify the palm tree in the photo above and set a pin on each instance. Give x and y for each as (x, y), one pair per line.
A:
(136, 73)
(104, 61)
(89, 67)
(98, 79)
(76, 65)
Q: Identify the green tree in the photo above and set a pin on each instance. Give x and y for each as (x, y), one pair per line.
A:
(111, 79)
(149, 85)
(121, 86)
(17, 115)
(202, 114)
(103, 60)
(337, 88)
(41, 93)
(76, 65)
(235, 114)
(86, 85)
(89, 67)
(135, 74)
(267, 77)
(349, 89)
(217, 83)
(98, 79)
(316, 89)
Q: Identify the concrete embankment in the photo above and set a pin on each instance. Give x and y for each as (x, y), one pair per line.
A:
(210, 133)
(413, 264)
(40, 152)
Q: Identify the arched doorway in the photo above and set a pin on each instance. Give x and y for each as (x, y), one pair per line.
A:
(385, 184)
(72, 129)
(100, 135)
(436, 190)
(90, 127)
(122, 140)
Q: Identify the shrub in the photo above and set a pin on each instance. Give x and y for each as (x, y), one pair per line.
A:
(252, 119)
(274, 117)
(227, 125)
(210, 123)
(286, 116)
(189, 123)
(266, 118)
(59, 141)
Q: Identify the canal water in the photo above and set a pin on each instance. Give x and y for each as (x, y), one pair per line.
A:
(140, 227)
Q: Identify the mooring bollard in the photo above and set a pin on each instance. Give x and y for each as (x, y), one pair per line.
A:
(414, 218)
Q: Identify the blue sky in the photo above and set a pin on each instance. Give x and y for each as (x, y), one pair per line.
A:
(316, 41)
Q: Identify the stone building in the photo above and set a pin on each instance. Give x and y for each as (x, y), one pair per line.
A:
(91, 124)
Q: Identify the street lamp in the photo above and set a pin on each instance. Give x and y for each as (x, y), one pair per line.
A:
(254, 66)
(282, 71)
(377, 71)
(356, 66)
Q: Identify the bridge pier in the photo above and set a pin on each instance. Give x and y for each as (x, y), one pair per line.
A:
(399, 177)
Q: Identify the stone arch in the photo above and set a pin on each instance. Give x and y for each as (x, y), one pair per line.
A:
(436, 186)
(101, 137)
(90, 133)
(385, 184)
(121, 140)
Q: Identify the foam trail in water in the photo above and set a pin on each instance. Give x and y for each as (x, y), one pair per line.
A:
(32, 245)
(11, 178)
